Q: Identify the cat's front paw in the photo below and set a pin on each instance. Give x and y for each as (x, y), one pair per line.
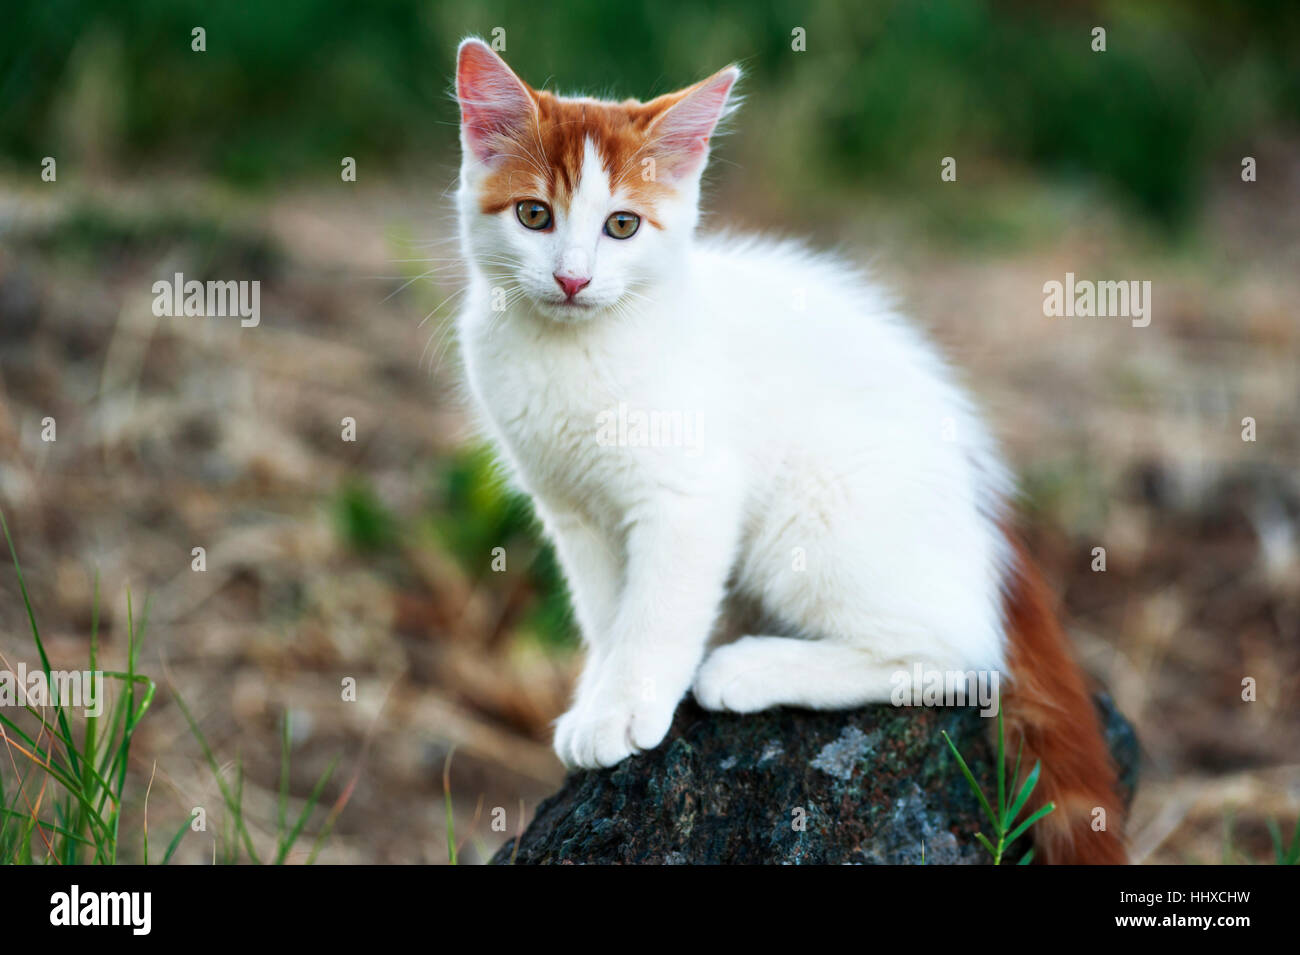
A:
(607, 728)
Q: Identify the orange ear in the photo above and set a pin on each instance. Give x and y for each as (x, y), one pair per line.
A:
(495, 105)
(682, 132)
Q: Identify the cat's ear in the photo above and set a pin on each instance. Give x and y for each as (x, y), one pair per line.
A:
(681, 133)
(495, 105)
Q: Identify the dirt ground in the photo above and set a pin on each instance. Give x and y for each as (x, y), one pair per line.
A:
(174, 433)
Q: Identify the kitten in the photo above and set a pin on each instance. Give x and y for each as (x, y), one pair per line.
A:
(834, 475)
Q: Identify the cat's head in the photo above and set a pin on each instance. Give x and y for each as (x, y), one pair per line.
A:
(577, 205)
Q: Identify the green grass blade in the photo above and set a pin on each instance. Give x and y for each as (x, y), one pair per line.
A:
(312, 799)
(53, 827)
(1025, 792)
(226, 794)
(1282, 853)
(36, 635)
(1275, 833)
(61, 775)
(324, 833)
(176, 840)
(451, 817)
(1033, 818)
(1002, 773)
(282, 803)
(1291, 855)
(970, 778)
(239, 795)
(90, 737)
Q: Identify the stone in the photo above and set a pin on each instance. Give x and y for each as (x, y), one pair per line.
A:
(876, 785)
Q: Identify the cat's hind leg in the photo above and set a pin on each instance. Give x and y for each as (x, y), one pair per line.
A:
(756, 673)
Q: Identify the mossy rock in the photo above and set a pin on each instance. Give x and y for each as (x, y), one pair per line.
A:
(876, 785)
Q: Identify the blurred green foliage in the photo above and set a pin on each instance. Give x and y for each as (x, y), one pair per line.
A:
(468, 513)
(883, 91)
(100, 235)
(486, 513)
(472, 511)
(363, 521)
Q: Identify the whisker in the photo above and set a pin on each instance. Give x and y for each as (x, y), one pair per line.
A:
(454, 294)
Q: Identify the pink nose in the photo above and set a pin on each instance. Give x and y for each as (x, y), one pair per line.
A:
(571, 285)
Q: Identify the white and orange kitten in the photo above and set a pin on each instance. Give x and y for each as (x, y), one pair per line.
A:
(835, 481)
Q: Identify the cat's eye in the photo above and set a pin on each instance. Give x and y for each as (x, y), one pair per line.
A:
(533, 214)
(622, 225)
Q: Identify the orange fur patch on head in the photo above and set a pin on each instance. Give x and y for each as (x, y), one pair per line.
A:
(533, 142)
(545, 159)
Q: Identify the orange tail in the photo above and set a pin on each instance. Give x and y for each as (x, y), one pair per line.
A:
(1048, 706)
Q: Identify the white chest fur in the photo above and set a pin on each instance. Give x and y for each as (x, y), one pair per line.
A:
(590, 418)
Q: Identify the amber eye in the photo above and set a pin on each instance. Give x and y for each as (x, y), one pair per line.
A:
(533, 214)
(622, 225)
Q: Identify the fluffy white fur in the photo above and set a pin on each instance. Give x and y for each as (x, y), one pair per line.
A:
(842, 491)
